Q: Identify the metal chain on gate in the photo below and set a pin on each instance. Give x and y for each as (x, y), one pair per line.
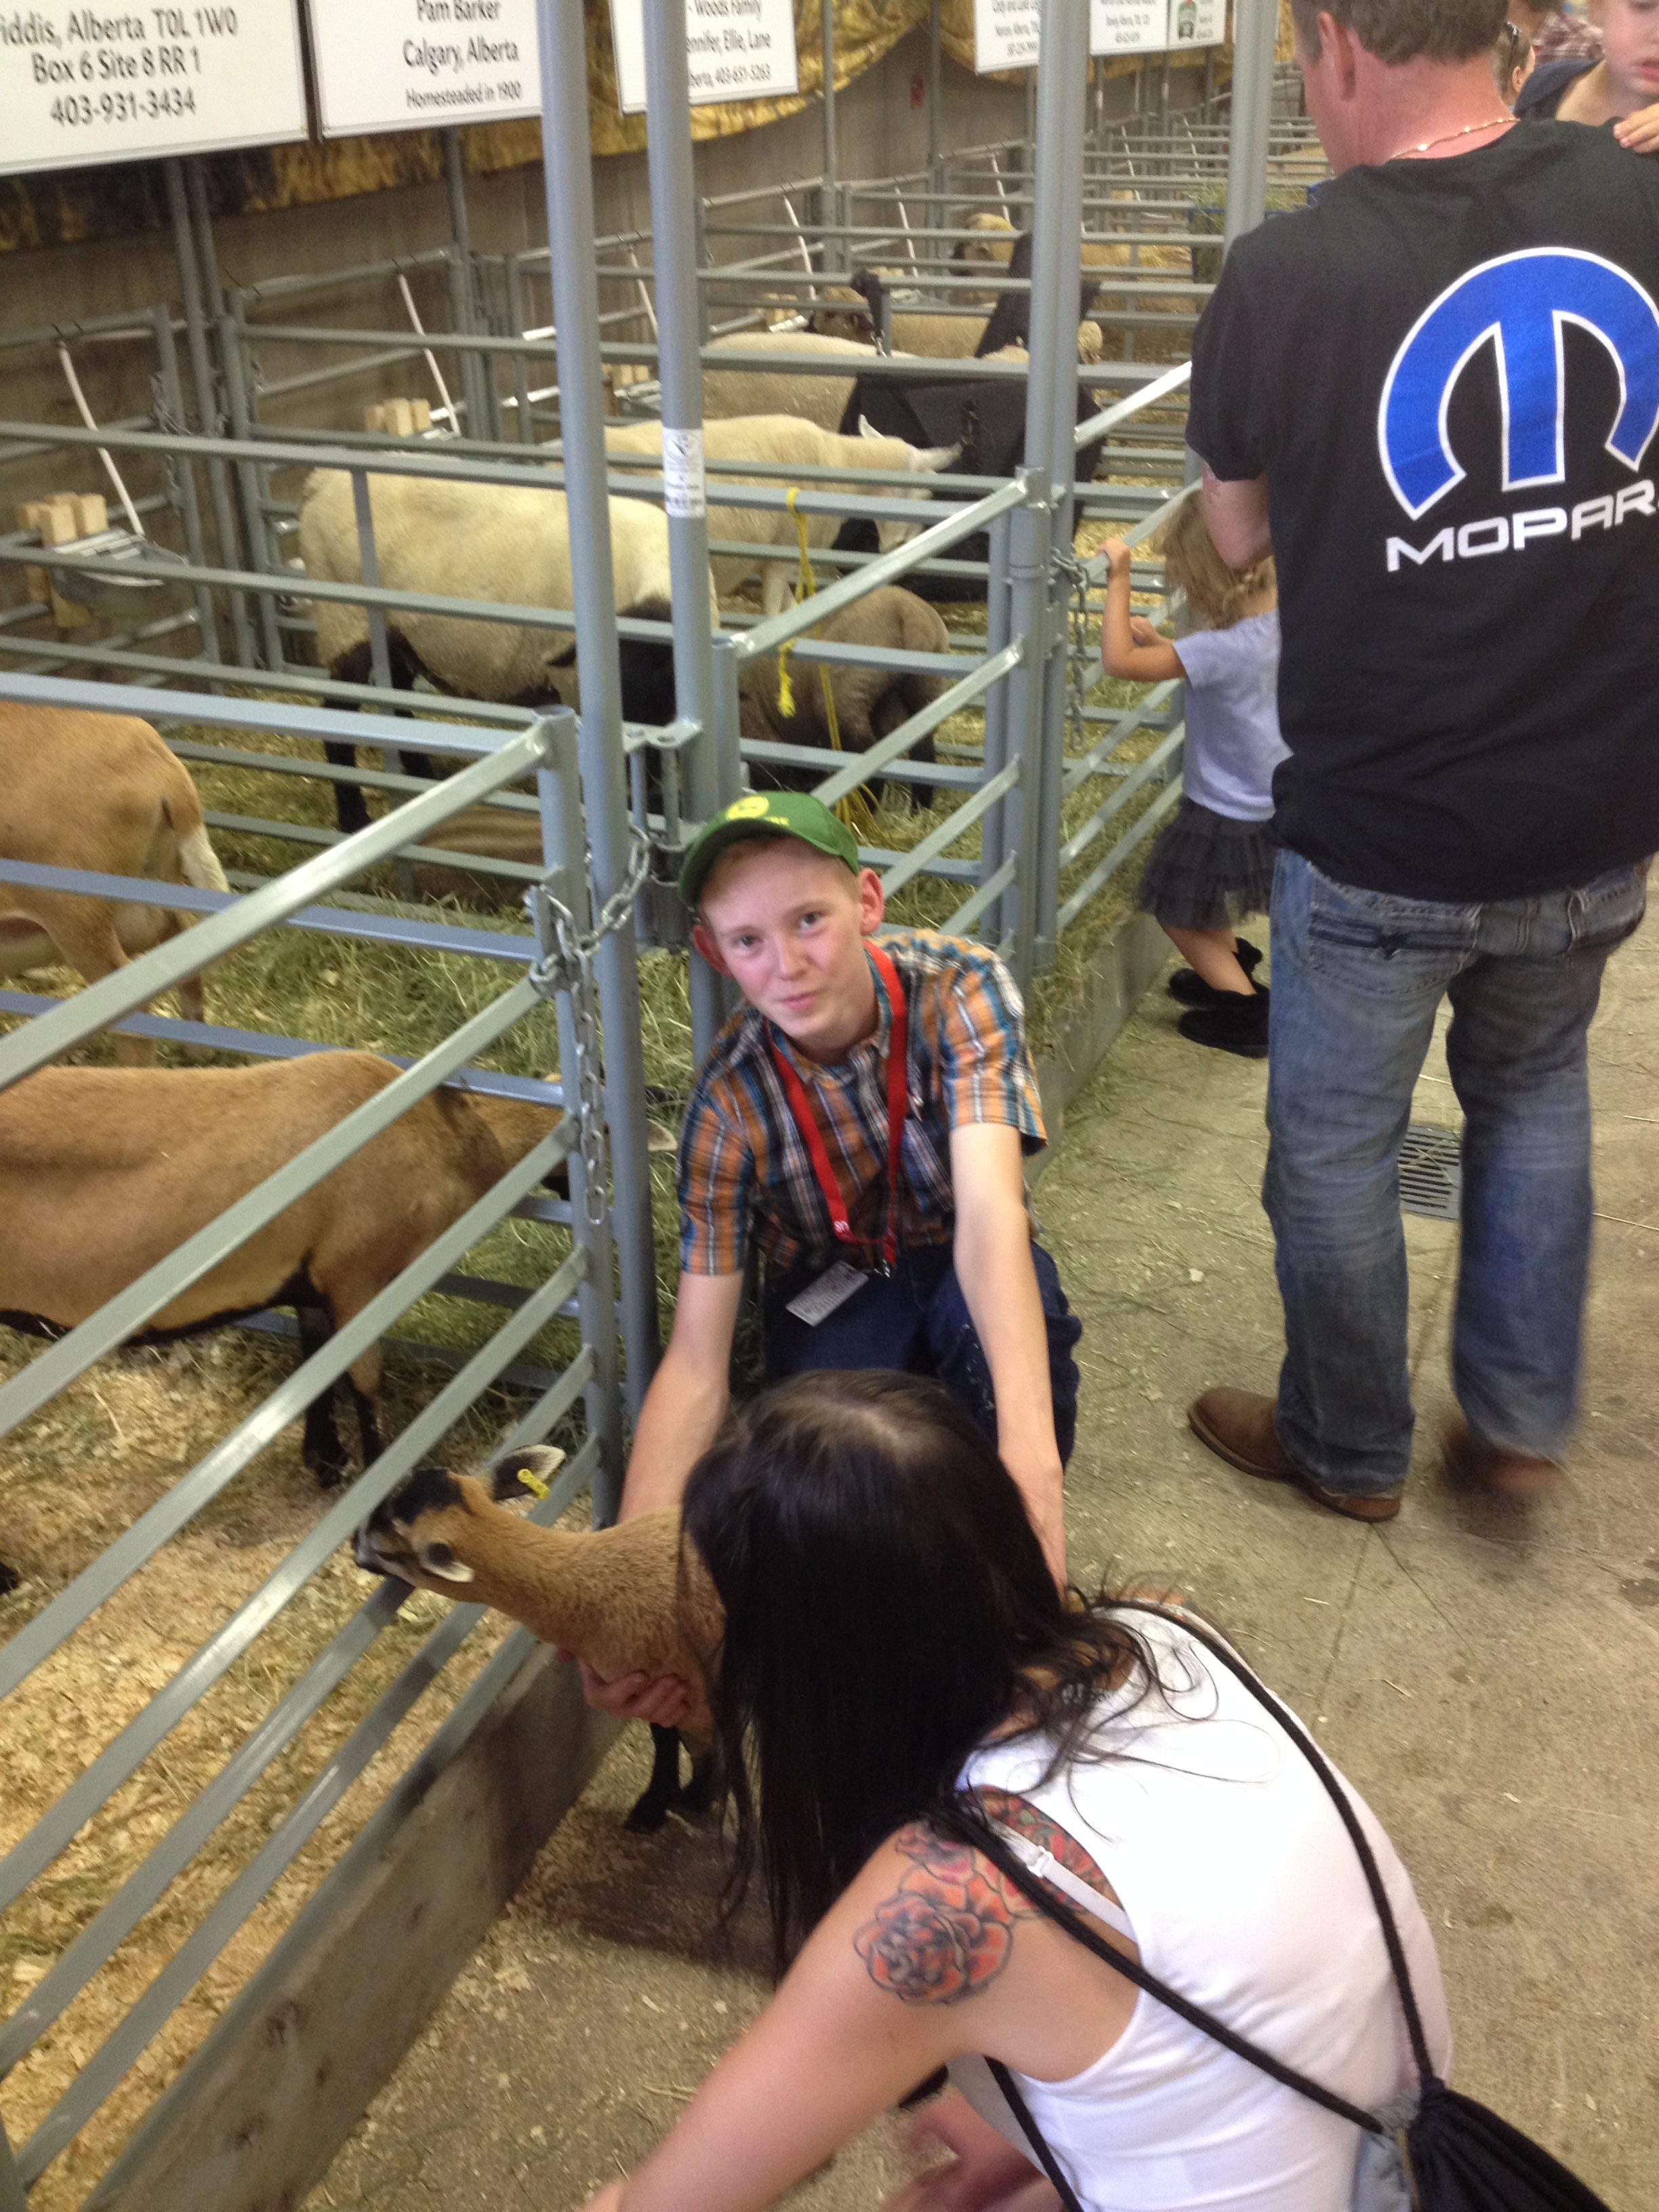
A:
(1080, 677)
(565, 963)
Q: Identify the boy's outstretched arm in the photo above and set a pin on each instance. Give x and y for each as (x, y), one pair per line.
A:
(998, 1282)
(686, 1403)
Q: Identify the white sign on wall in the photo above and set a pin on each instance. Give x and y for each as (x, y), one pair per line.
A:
(1129, 26)
(1007, 34)
(412, 65)
(1155, 26)
(734, 49)
(1197, 22)
(121, 82)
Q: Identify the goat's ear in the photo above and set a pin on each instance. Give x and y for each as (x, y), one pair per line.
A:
(437, 1560)
(659, 1137)
(518, 1473)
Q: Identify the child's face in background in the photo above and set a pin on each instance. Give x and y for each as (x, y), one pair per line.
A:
(1630, 39)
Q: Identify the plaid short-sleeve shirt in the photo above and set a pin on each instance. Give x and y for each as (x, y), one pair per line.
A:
(745, 1171)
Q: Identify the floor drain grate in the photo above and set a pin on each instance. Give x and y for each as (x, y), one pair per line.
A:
(1431, 1172)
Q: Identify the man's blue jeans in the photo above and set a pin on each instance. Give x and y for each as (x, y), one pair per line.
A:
(917, 1320)
(1357, 977)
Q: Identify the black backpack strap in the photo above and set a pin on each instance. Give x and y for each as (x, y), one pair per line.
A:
(1046, 2159)
(1350, 1818)
(973, 1830)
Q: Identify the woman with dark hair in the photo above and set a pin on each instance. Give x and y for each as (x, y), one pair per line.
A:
(898, 1670)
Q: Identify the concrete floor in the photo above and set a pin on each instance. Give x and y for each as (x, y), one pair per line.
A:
(1487, 1679)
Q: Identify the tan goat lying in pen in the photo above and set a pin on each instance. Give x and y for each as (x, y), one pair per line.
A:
(870, 702)
(104, 1171)
(622, 1599)
(103, 793)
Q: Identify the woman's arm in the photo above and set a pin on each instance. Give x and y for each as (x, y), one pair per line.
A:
(1129, 647)
(985, 2173)
(929, 1954)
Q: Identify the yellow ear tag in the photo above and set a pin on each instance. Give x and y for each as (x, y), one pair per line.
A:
(533, 1483)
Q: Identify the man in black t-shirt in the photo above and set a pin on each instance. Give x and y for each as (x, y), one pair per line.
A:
(1437, 392)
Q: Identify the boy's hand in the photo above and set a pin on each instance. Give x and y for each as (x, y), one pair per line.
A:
(661, 1699)
(1640, 133)
(1116, 557)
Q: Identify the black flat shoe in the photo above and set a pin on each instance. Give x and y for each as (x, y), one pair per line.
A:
(1231, 1024)
(1190, 988)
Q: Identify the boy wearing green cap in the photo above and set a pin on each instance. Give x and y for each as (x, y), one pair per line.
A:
(863, 1122)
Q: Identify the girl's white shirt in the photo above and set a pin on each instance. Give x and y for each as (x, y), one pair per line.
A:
(1240, 1885)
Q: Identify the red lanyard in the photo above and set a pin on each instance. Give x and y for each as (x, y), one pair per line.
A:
(898, 1100)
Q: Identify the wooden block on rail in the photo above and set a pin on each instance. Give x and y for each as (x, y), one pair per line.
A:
(65, 516)
(399, 418)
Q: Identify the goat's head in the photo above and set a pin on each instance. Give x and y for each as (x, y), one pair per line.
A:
(419, 1532)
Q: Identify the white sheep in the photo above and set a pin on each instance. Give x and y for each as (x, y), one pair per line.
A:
(792, 439)
(821, 400)
(632, 1597)
(99, 793)
(506, 542)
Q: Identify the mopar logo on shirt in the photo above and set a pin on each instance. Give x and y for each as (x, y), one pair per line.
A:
(1520, 304)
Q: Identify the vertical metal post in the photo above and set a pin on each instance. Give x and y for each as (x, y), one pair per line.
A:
(1256, 32)
(1050, 416)
(564, 843)
(206, 411)
(567, 153)
(830, 191)
(515, 274)
(368, 561)
(993, 849)
(250, 477)
(935, 120)
(196, 186)
(680, 366)
(183, 475)
(462, 290)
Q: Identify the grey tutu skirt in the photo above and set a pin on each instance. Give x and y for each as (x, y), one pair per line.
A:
(1208, 872)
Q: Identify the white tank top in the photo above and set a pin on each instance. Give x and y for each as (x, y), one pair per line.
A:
(1240, 1885)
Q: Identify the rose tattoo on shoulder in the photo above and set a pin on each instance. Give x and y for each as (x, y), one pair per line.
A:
(946, 1931)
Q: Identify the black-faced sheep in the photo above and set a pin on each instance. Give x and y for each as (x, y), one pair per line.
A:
(99, 793)
(631, 1597)
(499, 542)
(988, 418)
(792, 439)
(870, 702)
(104, 1171)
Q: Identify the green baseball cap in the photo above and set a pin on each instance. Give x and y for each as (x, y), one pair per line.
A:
(766, 814)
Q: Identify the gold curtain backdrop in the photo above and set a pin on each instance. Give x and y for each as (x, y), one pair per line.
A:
(69, 206)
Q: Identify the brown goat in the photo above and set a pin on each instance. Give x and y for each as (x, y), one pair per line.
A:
(623, 1598)
(100, 792)
(103, 1172)
(870, 702)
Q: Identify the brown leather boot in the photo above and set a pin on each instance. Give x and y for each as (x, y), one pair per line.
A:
(1471, 1464)
(1238, 1425)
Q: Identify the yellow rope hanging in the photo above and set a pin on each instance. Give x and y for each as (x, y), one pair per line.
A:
(854, 810)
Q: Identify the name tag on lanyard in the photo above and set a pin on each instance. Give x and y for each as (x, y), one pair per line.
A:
(839, 1281)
